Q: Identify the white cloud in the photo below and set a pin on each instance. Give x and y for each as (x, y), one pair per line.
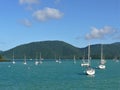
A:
(26, 22)
(116, 36)
(30, 2)
(99, 33)
(47, 13)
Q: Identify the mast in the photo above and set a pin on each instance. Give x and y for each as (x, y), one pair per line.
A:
(55, 56)
(102, 60)
(36, 61)
(25, 59)
(36, 56)
(40, 59)
(74, 59)
(40, 56)
(13, 56)
(101, 51)
(89, 53)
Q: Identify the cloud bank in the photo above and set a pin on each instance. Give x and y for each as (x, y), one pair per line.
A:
(29, 2)
(99, 33)
(47, 13)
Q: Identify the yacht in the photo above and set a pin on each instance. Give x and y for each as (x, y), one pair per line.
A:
(13, 59)
(74, 59)
(40, 59)
(25, 60)
(89, 70)
(102, 61)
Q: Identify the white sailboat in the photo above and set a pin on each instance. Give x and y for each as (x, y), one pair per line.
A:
(102, 61)
(13, 59)
(40, 59)
(36, 60)
(85, 62)
(59, 61)
(56, 60)
(25, 60)
(74, 60)
(89, 70)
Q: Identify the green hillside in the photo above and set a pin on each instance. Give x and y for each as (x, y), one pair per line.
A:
(2, 59)
(110, 51)
(50, 49)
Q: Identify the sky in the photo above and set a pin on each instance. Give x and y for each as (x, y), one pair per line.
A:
(77, 22)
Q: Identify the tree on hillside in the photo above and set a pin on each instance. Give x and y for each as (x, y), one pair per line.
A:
(1, 58)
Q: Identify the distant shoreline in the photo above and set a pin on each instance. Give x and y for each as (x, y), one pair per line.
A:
(4, 60)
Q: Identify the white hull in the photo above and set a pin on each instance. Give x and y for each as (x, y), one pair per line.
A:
(24, 63)
(36, 63)
(101, 66)
(90, 71)
(59, 62)
(85, 64)
(13, 62)
(56, 61)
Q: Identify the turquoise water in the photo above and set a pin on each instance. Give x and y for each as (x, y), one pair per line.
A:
(53, 76)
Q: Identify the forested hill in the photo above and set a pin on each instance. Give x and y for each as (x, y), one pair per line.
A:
(50, 49)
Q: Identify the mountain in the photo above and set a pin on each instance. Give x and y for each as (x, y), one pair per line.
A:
(110, 51)
(50, 49)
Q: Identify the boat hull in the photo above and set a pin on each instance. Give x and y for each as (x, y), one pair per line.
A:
(101, 66)
(90, 71)
(13, 62)
(85, 64)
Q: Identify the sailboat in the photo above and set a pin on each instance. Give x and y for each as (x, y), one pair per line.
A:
(74, 59)
(59, 61)
(89, 70)
(13, 59)
(85, 62)
(25, 60)
(102, 61)
(56, 60)
(36, 62)
(41, 59)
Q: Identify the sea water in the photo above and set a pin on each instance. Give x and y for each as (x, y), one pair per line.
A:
(54, 76)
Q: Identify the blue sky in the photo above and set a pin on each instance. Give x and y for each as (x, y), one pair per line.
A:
(74, 21)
